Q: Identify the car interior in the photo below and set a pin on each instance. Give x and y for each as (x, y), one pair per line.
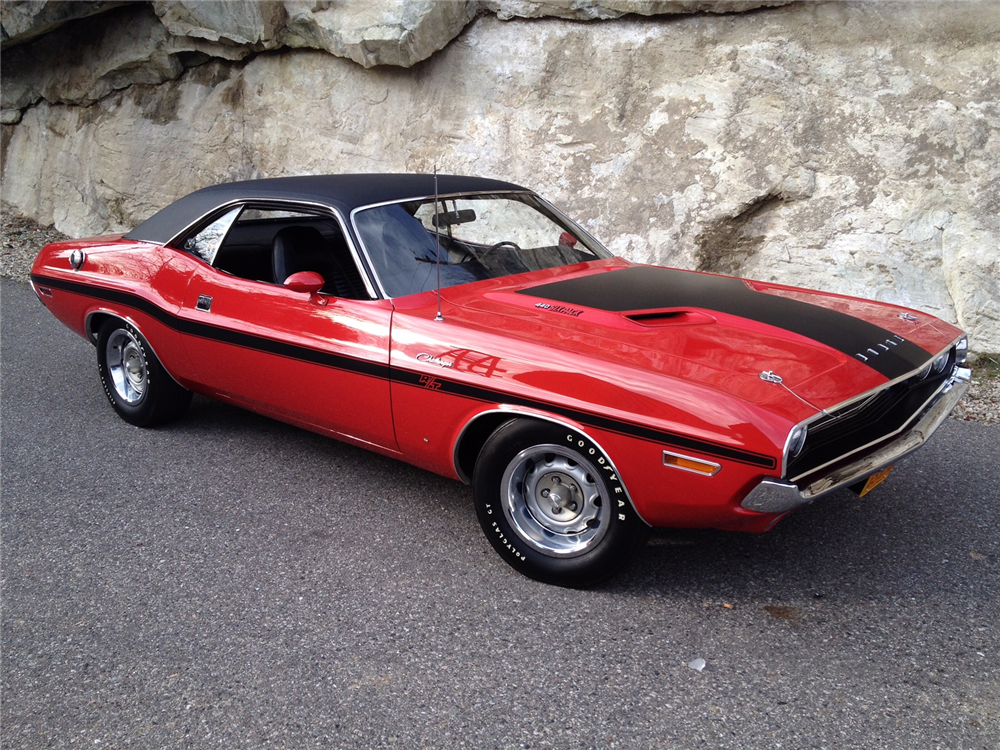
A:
(270, 246)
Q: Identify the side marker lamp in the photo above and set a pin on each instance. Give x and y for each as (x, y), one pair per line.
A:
(689, 463)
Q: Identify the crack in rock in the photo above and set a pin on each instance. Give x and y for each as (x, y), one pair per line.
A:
(726, 244)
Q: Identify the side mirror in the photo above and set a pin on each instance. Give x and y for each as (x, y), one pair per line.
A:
(567, 240)
(309, 282)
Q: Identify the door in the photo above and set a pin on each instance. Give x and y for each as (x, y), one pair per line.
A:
(311, 359)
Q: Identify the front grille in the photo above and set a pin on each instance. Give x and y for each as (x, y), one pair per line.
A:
(865, 422)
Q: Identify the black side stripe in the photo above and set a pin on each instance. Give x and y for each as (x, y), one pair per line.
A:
(216, 333)
(588, 418)
(408, 377)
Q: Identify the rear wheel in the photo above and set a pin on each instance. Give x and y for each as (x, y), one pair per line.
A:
(139, 389)
(552, 505)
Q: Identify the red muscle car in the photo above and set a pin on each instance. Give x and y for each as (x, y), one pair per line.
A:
(468, 327)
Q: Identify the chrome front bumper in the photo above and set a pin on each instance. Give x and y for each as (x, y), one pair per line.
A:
(777, 496)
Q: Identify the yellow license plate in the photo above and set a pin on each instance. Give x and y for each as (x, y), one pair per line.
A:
(875, 480)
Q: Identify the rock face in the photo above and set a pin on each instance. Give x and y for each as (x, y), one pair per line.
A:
(23, 20)
(254, 24)
(392, 32)
(184, 32)
(840, 146)
(110, 52)
(589, 10)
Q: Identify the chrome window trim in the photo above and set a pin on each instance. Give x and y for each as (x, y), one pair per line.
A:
(948, 382)
(558, 212)
(220, 208)
(235, 213)
(321, 208)
(448, 196)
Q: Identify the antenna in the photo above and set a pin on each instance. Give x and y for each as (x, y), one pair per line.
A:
(437, 237)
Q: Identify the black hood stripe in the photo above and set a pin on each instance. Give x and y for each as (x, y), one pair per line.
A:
(646, 288)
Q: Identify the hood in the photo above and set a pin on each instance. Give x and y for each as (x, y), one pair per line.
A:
(722, 332)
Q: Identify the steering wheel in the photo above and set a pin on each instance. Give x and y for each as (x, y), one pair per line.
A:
(508, 243)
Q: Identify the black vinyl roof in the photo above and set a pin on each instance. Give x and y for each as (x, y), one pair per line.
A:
(344, 192)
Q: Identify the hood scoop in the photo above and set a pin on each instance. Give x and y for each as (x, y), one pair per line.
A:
(661, 318)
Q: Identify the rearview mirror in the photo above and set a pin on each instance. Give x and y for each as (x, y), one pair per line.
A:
(449, 218)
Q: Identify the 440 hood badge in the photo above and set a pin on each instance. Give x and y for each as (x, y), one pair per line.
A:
(562, 309)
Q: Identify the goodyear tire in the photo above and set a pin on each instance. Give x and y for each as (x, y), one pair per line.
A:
(139, 389)
(552, 505)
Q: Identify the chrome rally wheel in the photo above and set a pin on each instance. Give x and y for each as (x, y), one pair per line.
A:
(126, 363)
(552, 504)
(555, 501)
(138, 387)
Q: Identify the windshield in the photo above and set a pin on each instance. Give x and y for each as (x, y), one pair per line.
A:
(480, 236)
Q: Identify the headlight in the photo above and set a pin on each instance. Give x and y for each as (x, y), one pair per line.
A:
(797, 441)
(940, 363)
(936, 367)
(962, 350)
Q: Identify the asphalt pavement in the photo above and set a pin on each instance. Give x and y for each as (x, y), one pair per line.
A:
(228, 581)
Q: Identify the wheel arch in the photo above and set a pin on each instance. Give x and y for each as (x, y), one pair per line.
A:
(97, 318)
(478, 430)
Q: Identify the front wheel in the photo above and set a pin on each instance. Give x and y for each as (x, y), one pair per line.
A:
(552, 505)
(139, 389)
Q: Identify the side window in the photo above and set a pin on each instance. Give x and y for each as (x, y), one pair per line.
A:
(269, 245)
(250, 215)
(206, 243)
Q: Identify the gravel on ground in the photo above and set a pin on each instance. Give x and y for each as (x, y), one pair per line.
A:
(22, 239)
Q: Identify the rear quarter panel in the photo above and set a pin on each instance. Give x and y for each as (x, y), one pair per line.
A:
(131, 280)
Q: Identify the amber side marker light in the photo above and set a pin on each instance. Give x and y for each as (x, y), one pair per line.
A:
(687, 463)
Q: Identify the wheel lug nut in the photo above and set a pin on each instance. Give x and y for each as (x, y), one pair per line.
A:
(545, 492)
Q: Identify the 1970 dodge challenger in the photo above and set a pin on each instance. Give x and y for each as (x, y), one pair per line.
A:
(467, 326)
